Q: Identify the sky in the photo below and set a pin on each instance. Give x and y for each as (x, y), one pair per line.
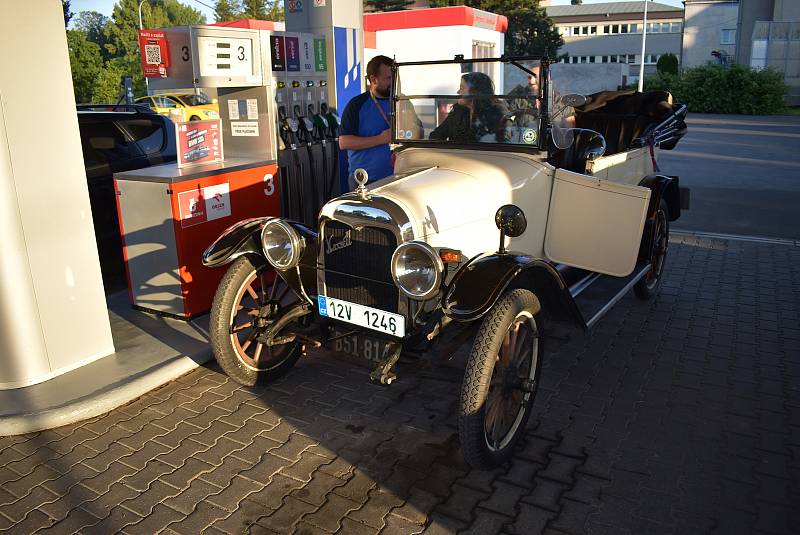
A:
(105, 6)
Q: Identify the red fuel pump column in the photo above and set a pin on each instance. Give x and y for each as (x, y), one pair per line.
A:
(168, 216)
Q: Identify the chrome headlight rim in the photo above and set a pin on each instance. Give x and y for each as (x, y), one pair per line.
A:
(437, 263)
(295, 240)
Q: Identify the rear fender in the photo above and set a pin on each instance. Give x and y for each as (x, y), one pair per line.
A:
(478, 285)
(239, 239)
(661, 187)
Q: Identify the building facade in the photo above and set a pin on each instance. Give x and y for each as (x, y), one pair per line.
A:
(758, 33)
(612, 33)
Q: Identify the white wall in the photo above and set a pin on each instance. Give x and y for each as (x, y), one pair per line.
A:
(52, 288)
(438, 43)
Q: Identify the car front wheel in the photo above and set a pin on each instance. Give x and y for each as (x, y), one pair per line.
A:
(500, 380)
(250, 298)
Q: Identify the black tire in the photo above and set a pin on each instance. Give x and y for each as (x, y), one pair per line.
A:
(650, 284)
(194, 118)
(232, 338)
(493, 380)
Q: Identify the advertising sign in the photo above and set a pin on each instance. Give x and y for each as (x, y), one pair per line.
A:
(154, 52)
(292, 54)
(320, 55)
(278, 52)
(204, 204)
(199, 142)
(307, 53)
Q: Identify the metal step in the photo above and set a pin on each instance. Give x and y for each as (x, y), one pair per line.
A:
(596, 294)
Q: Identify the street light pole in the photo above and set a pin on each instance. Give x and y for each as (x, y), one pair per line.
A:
(141, 27)
(644, 39)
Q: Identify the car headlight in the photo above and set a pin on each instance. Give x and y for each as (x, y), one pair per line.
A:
(282, 244)
(417, 270)
(212, 114)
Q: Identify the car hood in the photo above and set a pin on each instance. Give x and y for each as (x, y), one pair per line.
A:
(450, 208)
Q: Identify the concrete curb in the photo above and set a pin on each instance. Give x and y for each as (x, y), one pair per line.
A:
(101, 402)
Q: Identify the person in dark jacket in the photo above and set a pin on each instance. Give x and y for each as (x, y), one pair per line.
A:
(471, 119)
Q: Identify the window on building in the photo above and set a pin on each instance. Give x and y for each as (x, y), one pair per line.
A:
(651, 59)
(584, 30)
(576, 30)
(607, 29)
(675, 27)
(613, 59)
(592, 59)
(633, 28)
(593, 30)
(623, 28)
(631, 58)
(727, 37)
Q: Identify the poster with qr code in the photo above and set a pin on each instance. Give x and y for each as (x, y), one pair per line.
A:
(155, 53)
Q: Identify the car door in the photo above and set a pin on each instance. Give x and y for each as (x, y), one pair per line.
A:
(595, 223)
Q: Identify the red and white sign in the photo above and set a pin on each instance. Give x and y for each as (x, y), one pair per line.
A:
(204, 204)
(199, 142)
(154, 50)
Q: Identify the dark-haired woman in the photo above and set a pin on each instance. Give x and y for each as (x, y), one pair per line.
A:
(472, 119)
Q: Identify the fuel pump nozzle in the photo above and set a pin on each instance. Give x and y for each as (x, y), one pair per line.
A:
(332, 119)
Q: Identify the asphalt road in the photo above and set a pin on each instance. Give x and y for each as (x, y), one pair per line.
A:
(744, 173)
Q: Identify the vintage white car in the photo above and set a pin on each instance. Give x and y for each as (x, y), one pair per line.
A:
(505, 211)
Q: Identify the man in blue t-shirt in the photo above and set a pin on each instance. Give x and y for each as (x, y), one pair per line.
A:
(365, 133)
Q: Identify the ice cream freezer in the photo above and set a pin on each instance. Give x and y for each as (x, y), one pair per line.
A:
(169, 215)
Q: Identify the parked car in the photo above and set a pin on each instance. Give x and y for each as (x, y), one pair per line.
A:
(514, 213)
(118, 138)
(195, 107)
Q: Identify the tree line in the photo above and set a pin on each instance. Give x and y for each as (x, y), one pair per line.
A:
(103, 49)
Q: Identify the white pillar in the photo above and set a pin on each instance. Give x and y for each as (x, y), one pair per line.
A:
(53, 314)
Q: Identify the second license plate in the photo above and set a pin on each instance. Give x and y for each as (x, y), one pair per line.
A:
(363, 316)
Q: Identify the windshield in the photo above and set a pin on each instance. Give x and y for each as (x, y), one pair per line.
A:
(194, 100)
(468, 102)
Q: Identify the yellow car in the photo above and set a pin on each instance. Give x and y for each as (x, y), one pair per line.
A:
(195, 107)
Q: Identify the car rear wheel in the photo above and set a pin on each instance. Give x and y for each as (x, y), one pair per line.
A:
(194, 118)
(249, 300)
(500, 380)
(649, 285)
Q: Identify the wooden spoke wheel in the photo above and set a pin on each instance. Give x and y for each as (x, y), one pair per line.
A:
(248, 301)
(501, 379)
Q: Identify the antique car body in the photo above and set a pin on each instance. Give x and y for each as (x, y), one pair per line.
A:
(508, 234)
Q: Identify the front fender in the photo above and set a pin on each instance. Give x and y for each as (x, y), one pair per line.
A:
(239, 239)
(478, 285)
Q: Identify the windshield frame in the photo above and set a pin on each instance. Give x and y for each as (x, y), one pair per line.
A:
(544, 122)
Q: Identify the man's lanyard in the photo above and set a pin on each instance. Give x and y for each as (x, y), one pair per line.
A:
(383, 113)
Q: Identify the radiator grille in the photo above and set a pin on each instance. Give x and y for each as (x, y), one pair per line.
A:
(361, 271)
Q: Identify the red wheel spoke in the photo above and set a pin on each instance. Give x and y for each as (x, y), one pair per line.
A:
(249, 340)
(257, 354)
(240, 328)
(252, 293)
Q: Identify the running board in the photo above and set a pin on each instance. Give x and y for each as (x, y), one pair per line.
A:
(597, 294)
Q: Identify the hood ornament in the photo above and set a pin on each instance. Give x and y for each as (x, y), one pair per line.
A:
(361, 177)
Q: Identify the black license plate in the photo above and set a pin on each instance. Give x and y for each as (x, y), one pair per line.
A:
(357, 345)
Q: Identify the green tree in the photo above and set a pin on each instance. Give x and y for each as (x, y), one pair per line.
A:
(530, 30)
(86, 63)
(576, 2)
(667, 64)
(92, 24)
(387, 5)
(122, 32)
(445, 3)
(226, 10)
(275, 10)
(254, 9)
(67, 13)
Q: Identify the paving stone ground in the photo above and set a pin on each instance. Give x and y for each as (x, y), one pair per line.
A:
(680, 415)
